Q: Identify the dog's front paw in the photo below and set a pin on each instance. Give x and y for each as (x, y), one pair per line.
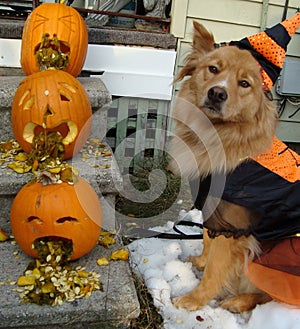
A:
(189, 302)
(244, 302)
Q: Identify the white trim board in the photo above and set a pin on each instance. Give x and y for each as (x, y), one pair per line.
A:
(127, 71)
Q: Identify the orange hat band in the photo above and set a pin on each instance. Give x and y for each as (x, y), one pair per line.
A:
(268, 47)
(270, 71)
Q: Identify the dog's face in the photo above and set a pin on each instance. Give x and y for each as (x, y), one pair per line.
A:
(225, 83)
(230, 85)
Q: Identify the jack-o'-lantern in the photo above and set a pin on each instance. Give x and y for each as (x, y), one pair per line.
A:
(51, 100)
(54, 35)
(63, 211)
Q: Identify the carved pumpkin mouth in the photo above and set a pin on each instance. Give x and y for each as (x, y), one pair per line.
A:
(54, 245)
(55, 45)
(52, 52)
(68, 130)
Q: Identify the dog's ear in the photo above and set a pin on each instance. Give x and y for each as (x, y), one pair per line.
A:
(203, 43)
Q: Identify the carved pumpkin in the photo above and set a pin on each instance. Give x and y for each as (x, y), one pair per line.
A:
(65, 211)
(51, 100)
(54, 33)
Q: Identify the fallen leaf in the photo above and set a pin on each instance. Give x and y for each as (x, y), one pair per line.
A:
(103, 261)
(21, 157)
(19, 168)
(120, 254)
(106, 241)
(55, 170)
(26, 280)
(3, 235)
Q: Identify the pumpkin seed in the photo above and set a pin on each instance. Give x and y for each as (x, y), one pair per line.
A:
(51, 279)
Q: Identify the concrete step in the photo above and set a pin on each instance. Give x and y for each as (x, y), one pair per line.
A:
(114, 307)
(117, 305)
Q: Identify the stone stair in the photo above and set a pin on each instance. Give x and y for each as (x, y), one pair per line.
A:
(117, 304)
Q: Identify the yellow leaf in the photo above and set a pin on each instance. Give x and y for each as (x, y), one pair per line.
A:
(102, 261)
(106, 241)
(36, 272)
(68, 175)
(83, 274)
(3, 235)
(120, 254)
(55, 170)
(26, 280)
(47, 288)
(21, 157)
(19, 168)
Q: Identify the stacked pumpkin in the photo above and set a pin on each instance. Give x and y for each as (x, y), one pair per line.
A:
(50, 100)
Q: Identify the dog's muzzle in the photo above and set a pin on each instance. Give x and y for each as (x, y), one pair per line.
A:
(216, 96)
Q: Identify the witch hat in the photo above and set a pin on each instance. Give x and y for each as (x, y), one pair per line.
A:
(269, 48)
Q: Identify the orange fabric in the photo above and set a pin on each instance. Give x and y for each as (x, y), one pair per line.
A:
(281, 160)
(267, 81)
(282, 255)
(267, 47)
(277, 270)
(281, 286)
(292, 24)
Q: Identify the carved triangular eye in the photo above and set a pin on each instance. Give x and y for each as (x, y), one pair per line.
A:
(35, 219)
(66, 219)
(64, 98)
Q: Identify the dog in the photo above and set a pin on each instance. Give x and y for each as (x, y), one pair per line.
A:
(223, 118)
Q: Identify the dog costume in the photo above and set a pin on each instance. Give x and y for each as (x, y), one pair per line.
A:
(269, 184)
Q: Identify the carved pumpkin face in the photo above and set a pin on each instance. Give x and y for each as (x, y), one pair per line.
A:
(65, 32)
(64, 211)
(53, 101)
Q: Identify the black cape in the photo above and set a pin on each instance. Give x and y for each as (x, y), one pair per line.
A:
(266, 188)
(275, 200)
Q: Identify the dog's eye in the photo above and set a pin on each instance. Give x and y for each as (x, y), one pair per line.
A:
(244, 83)
(213, 69)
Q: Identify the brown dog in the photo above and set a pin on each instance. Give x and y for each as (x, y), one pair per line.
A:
(222, 118)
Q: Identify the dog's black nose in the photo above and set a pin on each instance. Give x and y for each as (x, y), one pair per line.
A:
(217, 95)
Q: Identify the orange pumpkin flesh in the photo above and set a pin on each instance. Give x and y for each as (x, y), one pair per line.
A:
(65, 211)
(51, 100)
(66, 36)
